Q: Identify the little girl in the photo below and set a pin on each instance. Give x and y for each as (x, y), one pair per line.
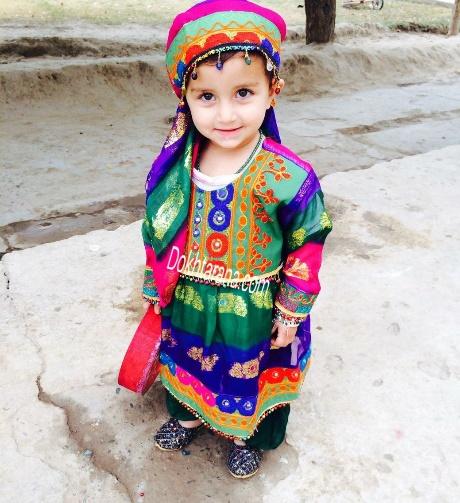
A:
(234, 230)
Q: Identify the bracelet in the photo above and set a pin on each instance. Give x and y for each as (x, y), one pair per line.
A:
(285, 319)
(286, 323)
(152, 301)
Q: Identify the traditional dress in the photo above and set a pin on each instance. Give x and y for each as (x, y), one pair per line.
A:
(226, 255)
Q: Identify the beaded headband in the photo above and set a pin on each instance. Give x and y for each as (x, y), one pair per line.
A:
(214, 26)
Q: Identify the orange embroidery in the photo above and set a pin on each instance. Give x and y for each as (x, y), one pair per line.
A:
(261, 239)
(297, 268)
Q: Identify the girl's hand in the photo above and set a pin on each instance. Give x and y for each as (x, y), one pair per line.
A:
(156, 307)
(285, 335)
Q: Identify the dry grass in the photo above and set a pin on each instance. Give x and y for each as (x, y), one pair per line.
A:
(395, 14)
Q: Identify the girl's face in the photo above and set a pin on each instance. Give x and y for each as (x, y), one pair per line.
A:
(228, 106)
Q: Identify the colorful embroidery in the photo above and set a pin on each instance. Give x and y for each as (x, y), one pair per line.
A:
(295, 267)
(217, 244)
(226, 30)
(297, 238)
(188, 295)
(291, 300)
(246, 370)
(231, 303)
(207, 362)
(262, 198)
(149, 289)
(167, 212)
(263, 299)
(325, 221)
(228, 415)
(167, 337)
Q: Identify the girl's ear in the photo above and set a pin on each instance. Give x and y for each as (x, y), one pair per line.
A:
(272, 93)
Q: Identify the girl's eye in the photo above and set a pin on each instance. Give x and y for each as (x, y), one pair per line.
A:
(206, 97)
(243, 93)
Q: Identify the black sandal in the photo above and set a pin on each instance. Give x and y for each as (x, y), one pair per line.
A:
(172, 436)
(243, 461)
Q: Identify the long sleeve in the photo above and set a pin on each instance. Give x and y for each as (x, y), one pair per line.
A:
(305, 229)
(149, 289)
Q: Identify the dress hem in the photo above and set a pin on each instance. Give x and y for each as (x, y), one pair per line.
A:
(215, 430)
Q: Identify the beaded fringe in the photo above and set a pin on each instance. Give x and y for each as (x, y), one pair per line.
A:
(221, 433)
(232, 284)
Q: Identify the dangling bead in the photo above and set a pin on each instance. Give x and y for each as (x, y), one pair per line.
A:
(219, 64)
(269, 65)
(247, 59)
(194, 74)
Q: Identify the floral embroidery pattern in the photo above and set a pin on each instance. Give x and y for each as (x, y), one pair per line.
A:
(246, 370)
(325, 220)
(294, 301)
(262, 299)
(167, 337)
(297, 238)
(231, 303)
(207, 362)
(188, 295)
(260, 239)
(167, 213)
(295, 267)
(149, 289)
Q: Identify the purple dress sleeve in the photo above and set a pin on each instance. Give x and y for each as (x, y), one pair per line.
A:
(306, 225)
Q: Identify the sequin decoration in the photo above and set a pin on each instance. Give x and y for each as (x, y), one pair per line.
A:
(223, 195)
(231, 303)
(219, 218)
(177, 129)
(217, 244)
(167, 212)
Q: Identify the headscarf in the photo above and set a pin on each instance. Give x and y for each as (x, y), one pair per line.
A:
(207, 28)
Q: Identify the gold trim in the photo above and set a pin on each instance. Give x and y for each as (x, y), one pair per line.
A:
(301, 316)
(220, 279)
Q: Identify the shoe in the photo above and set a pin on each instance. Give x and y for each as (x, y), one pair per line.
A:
(172, 436)
(243, 461)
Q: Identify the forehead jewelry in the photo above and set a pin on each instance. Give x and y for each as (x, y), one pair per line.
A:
(247, 59)
(219, 64)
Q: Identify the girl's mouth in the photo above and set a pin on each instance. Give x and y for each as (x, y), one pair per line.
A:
(228, 132)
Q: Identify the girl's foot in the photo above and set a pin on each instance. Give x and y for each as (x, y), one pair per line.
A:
(243, 461)
(172, 436)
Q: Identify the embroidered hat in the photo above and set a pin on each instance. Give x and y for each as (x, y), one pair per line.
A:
(213, 26)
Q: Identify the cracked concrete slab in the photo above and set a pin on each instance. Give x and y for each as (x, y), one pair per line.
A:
(378, 416)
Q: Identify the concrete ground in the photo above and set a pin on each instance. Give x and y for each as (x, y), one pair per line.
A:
(378, 418)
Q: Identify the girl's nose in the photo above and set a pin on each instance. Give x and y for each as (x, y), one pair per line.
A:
(225, 113)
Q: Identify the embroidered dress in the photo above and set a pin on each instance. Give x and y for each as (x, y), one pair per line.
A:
(221, 261)
(251, 245)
